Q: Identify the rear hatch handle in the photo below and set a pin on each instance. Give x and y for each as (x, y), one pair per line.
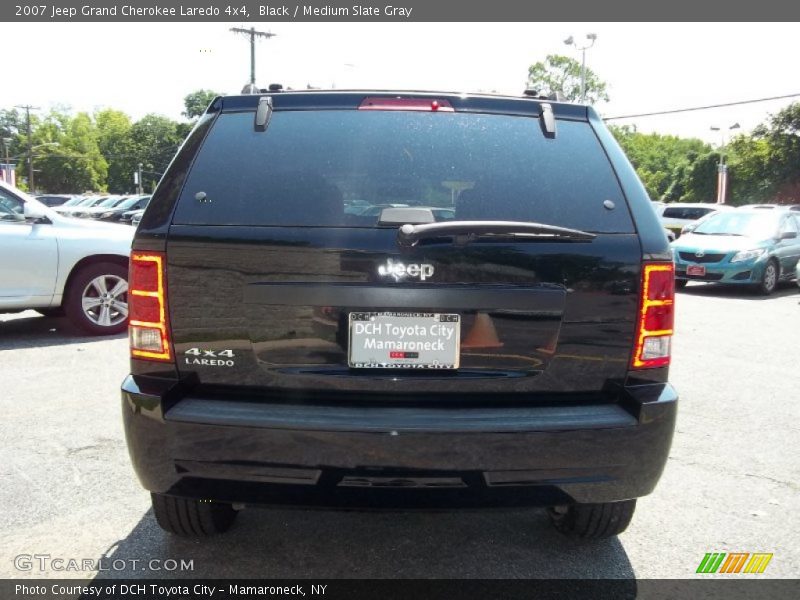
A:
(464, 232)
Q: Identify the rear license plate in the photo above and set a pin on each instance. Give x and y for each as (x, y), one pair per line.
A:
(696, 270)
(392, 340)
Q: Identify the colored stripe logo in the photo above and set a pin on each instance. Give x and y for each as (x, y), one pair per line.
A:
(734, 562)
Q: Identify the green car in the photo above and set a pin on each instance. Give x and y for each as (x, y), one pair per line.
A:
(743, 247)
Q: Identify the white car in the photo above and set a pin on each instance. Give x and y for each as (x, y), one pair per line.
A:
(676, 215)
(52, 263)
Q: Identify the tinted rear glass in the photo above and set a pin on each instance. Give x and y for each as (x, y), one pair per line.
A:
(341, 168)
(689, 213)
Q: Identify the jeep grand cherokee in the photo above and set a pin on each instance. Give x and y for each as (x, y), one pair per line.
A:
(497, 333)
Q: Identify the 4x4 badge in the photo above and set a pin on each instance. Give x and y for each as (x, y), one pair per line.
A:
(400, 270)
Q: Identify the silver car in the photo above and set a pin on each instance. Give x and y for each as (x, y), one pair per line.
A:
(797, 274)
(56, 264)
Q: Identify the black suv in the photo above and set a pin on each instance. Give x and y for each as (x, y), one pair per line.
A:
(496, 333)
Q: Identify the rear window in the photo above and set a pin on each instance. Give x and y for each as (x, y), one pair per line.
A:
(341, 168)
(686, 212)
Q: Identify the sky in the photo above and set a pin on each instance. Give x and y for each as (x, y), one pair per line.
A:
(143, 68)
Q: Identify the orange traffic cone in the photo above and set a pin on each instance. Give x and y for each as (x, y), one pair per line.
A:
(482, 334)
(550, 346)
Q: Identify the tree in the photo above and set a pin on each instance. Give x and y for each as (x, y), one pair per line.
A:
(155, 140)
(694, 180)
(563, 74)
(766, 165)
(12, 123)
(73, 163)
(664, 163)
(116, 146)
(197, 102)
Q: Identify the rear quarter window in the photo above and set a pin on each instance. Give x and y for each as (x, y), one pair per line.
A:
(340, 168)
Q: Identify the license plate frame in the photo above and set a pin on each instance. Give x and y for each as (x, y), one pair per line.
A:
(696, 271)
(400, 341)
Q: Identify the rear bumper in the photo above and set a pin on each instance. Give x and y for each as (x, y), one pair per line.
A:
(257, 453)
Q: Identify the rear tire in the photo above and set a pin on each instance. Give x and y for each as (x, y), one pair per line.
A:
(680, 284)
(593, 521)
(192, 518)
(97, 299)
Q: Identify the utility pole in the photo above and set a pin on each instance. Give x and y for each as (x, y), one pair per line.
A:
(253, 34)
(28, 109)
(6, 166)
(139, 180)
(722, 167)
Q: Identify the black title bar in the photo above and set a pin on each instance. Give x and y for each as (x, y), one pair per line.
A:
(389, 589)
(65, 11)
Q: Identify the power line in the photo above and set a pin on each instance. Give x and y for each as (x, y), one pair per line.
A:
(172, 147)
(681, 110)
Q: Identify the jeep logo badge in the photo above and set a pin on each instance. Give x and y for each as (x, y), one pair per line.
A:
(400, 271)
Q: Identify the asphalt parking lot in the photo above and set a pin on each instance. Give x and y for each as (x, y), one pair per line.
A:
(731, 483)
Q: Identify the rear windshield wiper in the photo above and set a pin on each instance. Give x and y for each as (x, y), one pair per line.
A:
(464, 232)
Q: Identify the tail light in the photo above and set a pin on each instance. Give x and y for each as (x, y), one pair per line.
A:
(147, 299)
(656, 316)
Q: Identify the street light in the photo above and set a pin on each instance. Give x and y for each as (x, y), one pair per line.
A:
(722, 133)
(722, 167)
(592, 37)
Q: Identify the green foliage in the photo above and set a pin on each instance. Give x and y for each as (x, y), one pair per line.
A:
(79, 153)
(114, 141)
(563, 74)
(197, 102)
(765, 167)
(665, 164)
(155, 140)
(64, 153)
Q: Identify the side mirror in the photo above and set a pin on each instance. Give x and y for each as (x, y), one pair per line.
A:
(33, 212)
(788, 235)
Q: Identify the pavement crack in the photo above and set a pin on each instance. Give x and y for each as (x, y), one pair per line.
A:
(789, 484)
(689, 463)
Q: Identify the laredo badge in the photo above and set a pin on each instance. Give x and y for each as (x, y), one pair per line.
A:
(209, 358)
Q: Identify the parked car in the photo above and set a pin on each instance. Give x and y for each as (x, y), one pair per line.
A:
(55, 264)
(128, 214)
(677, 215)
(116, 212)
(52, 200)
(282, 350)
(795, 207)
(438, 213)
(743, 247)
(373, 210)
(797, 274)
(136, 217)
(693, 225)
(97, 208)
(67, 209)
